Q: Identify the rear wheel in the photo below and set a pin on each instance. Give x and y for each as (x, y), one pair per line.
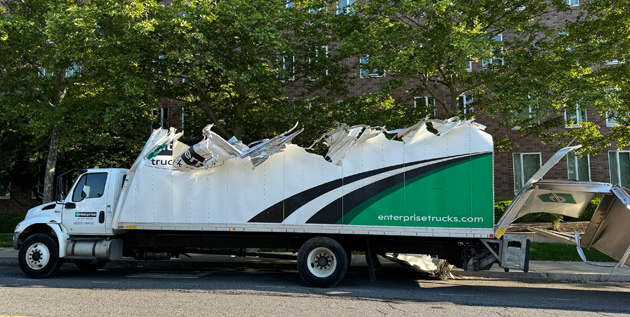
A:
(322, 262)
(39, 256)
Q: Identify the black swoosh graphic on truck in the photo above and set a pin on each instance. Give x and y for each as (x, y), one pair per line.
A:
(278, 212)
(335, 211)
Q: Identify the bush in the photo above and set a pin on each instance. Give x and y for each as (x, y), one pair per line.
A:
(8, 221)
(590, 209)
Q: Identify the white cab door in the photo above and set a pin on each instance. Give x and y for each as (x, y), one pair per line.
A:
(84, 208)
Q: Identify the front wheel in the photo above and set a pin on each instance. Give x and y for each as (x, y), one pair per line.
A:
(322, 262)
(39, 256)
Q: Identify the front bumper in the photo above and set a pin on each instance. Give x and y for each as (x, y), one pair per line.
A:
(16, 236)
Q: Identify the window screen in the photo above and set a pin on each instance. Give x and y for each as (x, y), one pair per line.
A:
(619, 165)
(525, 166)
(578, 167)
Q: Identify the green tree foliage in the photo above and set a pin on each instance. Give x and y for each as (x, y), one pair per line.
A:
(254, 68)
(72, 87)
(579, 66)
(79, 79)
(526, 70)
(429, 47)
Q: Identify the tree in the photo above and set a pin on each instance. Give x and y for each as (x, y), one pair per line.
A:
(70, 81)
(230, 61)
(518, 67)
(254, 68)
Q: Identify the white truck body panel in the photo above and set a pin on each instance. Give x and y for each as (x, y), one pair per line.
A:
(235, 196)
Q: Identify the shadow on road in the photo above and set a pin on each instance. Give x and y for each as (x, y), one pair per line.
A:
(392, 285)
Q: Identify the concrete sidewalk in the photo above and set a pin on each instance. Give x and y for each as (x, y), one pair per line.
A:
(538, 270)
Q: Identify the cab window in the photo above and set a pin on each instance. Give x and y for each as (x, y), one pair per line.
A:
(90, 186)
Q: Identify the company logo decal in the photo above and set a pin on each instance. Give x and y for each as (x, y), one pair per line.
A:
(85, 214)
(557, 198)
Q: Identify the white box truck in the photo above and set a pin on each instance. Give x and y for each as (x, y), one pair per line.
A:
(417, 192)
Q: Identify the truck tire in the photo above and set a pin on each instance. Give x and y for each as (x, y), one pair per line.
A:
(39, 256)
(90, 265)
(322, 262)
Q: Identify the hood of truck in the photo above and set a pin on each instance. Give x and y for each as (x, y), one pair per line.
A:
(45, 213)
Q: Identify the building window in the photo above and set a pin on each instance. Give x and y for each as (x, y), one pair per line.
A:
(612, 62)
(573, 3)
(611, 119)
(495, 52)
(365, 73)
(579, 167)
(466, 110)
(4, 192)
(72, 70)
(619, 167)
(525, 166)
(161, 117)
(469, 63)
(573, 118)
(523, 116)
(185, 115)
(164, 118)
(317, 54)
(344, 6)
(426, 102)
(285, 65)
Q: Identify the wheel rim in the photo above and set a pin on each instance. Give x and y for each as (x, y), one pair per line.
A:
(322, 262)
(37, 256)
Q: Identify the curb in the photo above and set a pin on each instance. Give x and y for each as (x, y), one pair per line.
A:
(543, 276)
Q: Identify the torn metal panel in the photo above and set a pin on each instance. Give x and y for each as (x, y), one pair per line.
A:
(368, 133)
(160, 139)
(567, 198)
(341, 140)
(525, 201)
(551, 163)
(608, 231)
(423, 263)
(261, 152)
(583, 256)
(211, 150)
(419, 131)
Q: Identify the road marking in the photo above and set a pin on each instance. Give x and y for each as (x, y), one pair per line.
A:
(565, 299)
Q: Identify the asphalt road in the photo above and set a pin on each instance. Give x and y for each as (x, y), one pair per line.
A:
(233, 291)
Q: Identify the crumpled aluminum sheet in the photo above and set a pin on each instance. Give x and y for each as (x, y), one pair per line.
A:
(261, 152)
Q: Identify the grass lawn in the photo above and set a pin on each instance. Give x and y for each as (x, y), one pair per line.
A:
(563, 252)
(6, 240)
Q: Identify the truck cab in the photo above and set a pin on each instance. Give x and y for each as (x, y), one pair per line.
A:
(78, 226)
(90, 204)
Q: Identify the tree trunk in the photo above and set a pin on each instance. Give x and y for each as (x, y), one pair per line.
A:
(51, 163)
(239, 111)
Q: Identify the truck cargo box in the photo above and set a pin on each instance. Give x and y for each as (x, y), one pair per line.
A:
(416, 184)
